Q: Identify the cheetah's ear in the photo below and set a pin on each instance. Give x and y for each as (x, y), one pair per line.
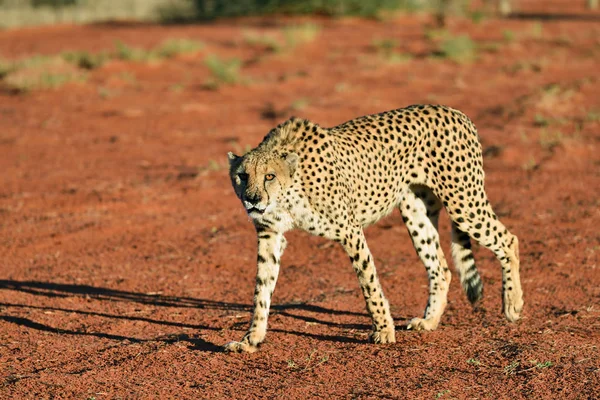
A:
(232, 158)
(292, 161)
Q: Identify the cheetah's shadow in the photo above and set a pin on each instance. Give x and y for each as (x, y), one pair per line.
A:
(295, 311)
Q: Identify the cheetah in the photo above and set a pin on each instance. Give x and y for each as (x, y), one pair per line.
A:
(333, 182)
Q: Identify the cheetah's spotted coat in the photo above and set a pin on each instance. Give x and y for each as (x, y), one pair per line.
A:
(335, 181)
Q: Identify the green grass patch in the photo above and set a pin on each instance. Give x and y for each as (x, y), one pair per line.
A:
(300, 104)
(460, 49)
(593, 116)
(6, 67)
(129, 53)
(511, 368)
(550, 139)
(540, 120)
(477, 16)
(289, 38)
(53, 71)
(86, 60)
(167, 49)
(41, 72)
(295, 35)
(268, 42)
(173, 47)
(436, 35)
(386, 49)
(542, 365)
(223, 71)
(537, 30)
(508, 36)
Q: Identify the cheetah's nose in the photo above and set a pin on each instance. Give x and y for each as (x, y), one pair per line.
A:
(252, 199)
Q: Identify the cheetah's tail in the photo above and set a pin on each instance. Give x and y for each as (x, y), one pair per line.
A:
(465, 265)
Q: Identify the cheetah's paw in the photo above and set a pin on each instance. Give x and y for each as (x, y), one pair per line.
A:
(420, 324)
(239, 347)
(513, 307)
(382, 337)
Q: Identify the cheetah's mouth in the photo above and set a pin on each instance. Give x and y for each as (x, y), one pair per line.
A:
(255, 210)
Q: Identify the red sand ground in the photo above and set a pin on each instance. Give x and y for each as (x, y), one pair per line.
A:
(127, 261)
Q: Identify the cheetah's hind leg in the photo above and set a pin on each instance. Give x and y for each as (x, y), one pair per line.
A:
(486, 229)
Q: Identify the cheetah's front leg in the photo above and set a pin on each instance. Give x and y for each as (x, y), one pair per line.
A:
(377, 305)
(270, 249)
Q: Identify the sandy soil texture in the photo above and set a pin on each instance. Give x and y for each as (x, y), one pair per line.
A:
(127, 261)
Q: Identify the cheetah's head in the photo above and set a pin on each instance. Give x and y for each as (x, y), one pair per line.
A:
(259, 178)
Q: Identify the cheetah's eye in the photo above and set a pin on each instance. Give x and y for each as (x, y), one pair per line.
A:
(269, 177)
(243, 176)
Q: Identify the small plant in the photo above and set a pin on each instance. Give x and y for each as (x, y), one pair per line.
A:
(45, 80)
(129, 53)
(85, 60)
(128, 77)
(508, 36)
(238, 149)
(6, 67)
(540, 120)
(535, 363)
(593, 116)
(511, 368)
(54, 80)
(386, 50)
(104, 92)
(530, 165)
(477, 16)
(385, 46)
(473, 361)
(213, 165)
(177, 87)
(312, 362)
(223, 71)
(490, 47)
(435, 35)
(318, 360)
(533, 66)
(268, 42)
(551, 139)
(174, 47)
(564, 40)
(40, 72)
(442, 393)
(342, 87)
(299, 104)
(537, 30)
(459, 49)
(296, 35)
(542, 365)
